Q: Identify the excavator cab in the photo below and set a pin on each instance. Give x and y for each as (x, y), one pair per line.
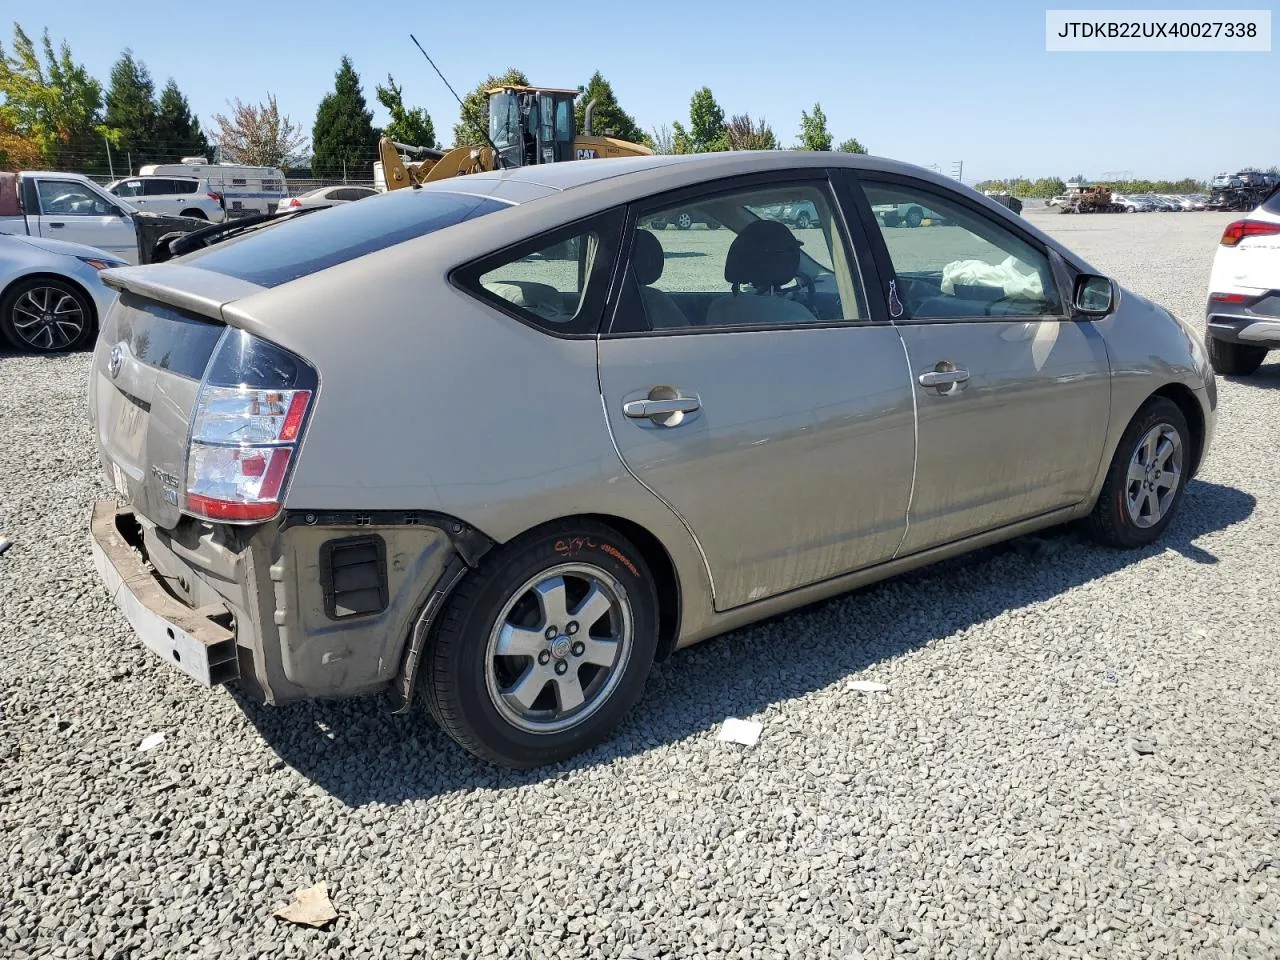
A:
(532, 125)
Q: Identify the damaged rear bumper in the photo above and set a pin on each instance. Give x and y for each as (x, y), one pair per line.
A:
(199, 642)
(305, 607)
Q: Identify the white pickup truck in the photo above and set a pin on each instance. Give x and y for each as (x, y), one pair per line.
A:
(68, 206)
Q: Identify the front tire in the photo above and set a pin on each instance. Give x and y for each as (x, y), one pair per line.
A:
(544, 647)
(1233, 359)
(915, 217)
(46, 315)
(1146, 479)
(684, 221)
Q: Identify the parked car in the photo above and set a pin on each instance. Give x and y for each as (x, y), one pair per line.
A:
(1242, 316)
(72, 208)
(1131, 204)
(69, 207)
(51, 294)
(245, 190)
(175, 196)
(327, 197)
(548, 534)
(802, 215)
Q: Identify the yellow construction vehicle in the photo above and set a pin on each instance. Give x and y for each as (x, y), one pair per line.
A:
(527, 125)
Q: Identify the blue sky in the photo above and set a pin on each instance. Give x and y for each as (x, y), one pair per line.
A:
(929, 83)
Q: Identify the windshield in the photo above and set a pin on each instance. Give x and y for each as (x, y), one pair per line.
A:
(504, 120)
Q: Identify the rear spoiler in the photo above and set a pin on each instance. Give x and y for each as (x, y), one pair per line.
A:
(197, 291)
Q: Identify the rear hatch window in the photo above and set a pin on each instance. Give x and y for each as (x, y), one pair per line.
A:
(315, 241)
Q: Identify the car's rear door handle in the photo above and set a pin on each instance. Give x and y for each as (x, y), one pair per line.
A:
(57, 226)
(943, 378)
(642, 409)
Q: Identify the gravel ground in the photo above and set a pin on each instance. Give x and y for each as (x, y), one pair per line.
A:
(1076, 756)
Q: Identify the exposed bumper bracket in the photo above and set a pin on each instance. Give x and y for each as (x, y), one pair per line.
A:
(191, 640)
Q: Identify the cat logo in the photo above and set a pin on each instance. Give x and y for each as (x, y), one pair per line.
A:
(588, 153)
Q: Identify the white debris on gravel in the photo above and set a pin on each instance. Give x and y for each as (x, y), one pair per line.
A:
(745, 732)
(993, 806)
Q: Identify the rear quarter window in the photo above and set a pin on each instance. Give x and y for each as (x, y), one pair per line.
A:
(322, 239)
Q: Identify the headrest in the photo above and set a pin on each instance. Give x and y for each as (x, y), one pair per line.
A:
(766, 254)
(646, 258)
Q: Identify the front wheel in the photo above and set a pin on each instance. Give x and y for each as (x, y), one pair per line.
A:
(684, 221)
(1146, 479)
(1233, 359)
(46, 315)
(802, 221)
(544, 647)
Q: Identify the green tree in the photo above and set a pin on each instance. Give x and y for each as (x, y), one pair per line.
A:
(258, 134)
(742, 133)
(131, 108)
(342, 138)
(851, 146)
(607, 117)
(177, 132)
(411, 126)
(472, 129)
(814, 134)
(706, 123)
(680, 141)
(54, 105)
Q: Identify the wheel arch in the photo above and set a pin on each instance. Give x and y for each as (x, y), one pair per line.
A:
(656, 557)
(1182, 396)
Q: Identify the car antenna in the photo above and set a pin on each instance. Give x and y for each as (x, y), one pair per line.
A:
(483, 128)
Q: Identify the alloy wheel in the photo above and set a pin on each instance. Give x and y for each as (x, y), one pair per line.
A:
(1155, 470)
(559, 648)
(48, 318)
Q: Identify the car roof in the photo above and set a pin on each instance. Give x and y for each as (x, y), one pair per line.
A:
(666, 171)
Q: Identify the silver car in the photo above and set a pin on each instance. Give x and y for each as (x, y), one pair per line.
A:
(51, 294)
(494, 446)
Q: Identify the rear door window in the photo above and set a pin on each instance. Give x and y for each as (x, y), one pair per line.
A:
(307, 243)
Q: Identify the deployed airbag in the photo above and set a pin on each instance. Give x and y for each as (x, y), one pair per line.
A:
(1005, 276)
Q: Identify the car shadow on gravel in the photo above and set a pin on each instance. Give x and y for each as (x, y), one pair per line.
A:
(358, 752)
(1267, 377)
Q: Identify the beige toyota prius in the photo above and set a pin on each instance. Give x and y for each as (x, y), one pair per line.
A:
(498, 443)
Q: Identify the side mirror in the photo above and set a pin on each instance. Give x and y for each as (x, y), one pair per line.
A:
(1094, 296)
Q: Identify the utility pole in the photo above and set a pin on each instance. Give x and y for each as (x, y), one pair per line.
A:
(110, 166)
(957, 170)
(129, 154)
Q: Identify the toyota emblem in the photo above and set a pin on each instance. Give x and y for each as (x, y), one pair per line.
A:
(116, 361)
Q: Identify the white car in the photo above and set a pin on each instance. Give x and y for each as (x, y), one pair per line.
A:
(1242, 317)
(51, 298)
(327, 197)
(172, 196)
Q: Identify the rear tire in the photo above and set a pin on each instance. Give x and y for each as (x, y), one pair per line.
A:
(1233, 359)
(556, 692)
(1146, 479)
(915, 216)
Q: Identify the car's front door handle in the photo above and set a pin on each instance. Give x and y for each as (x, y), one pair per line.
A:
(642, 409)
(57, 226)
(943, 378)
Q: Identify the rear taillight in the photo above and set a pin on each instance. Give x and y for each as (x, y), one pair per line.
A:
(1242, 229)
(293, 202)
(215, 197)
(1231, 298)
(249, 418)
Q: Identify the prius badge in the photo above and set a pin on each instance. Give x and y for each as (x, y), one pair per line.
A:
(116, 360)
